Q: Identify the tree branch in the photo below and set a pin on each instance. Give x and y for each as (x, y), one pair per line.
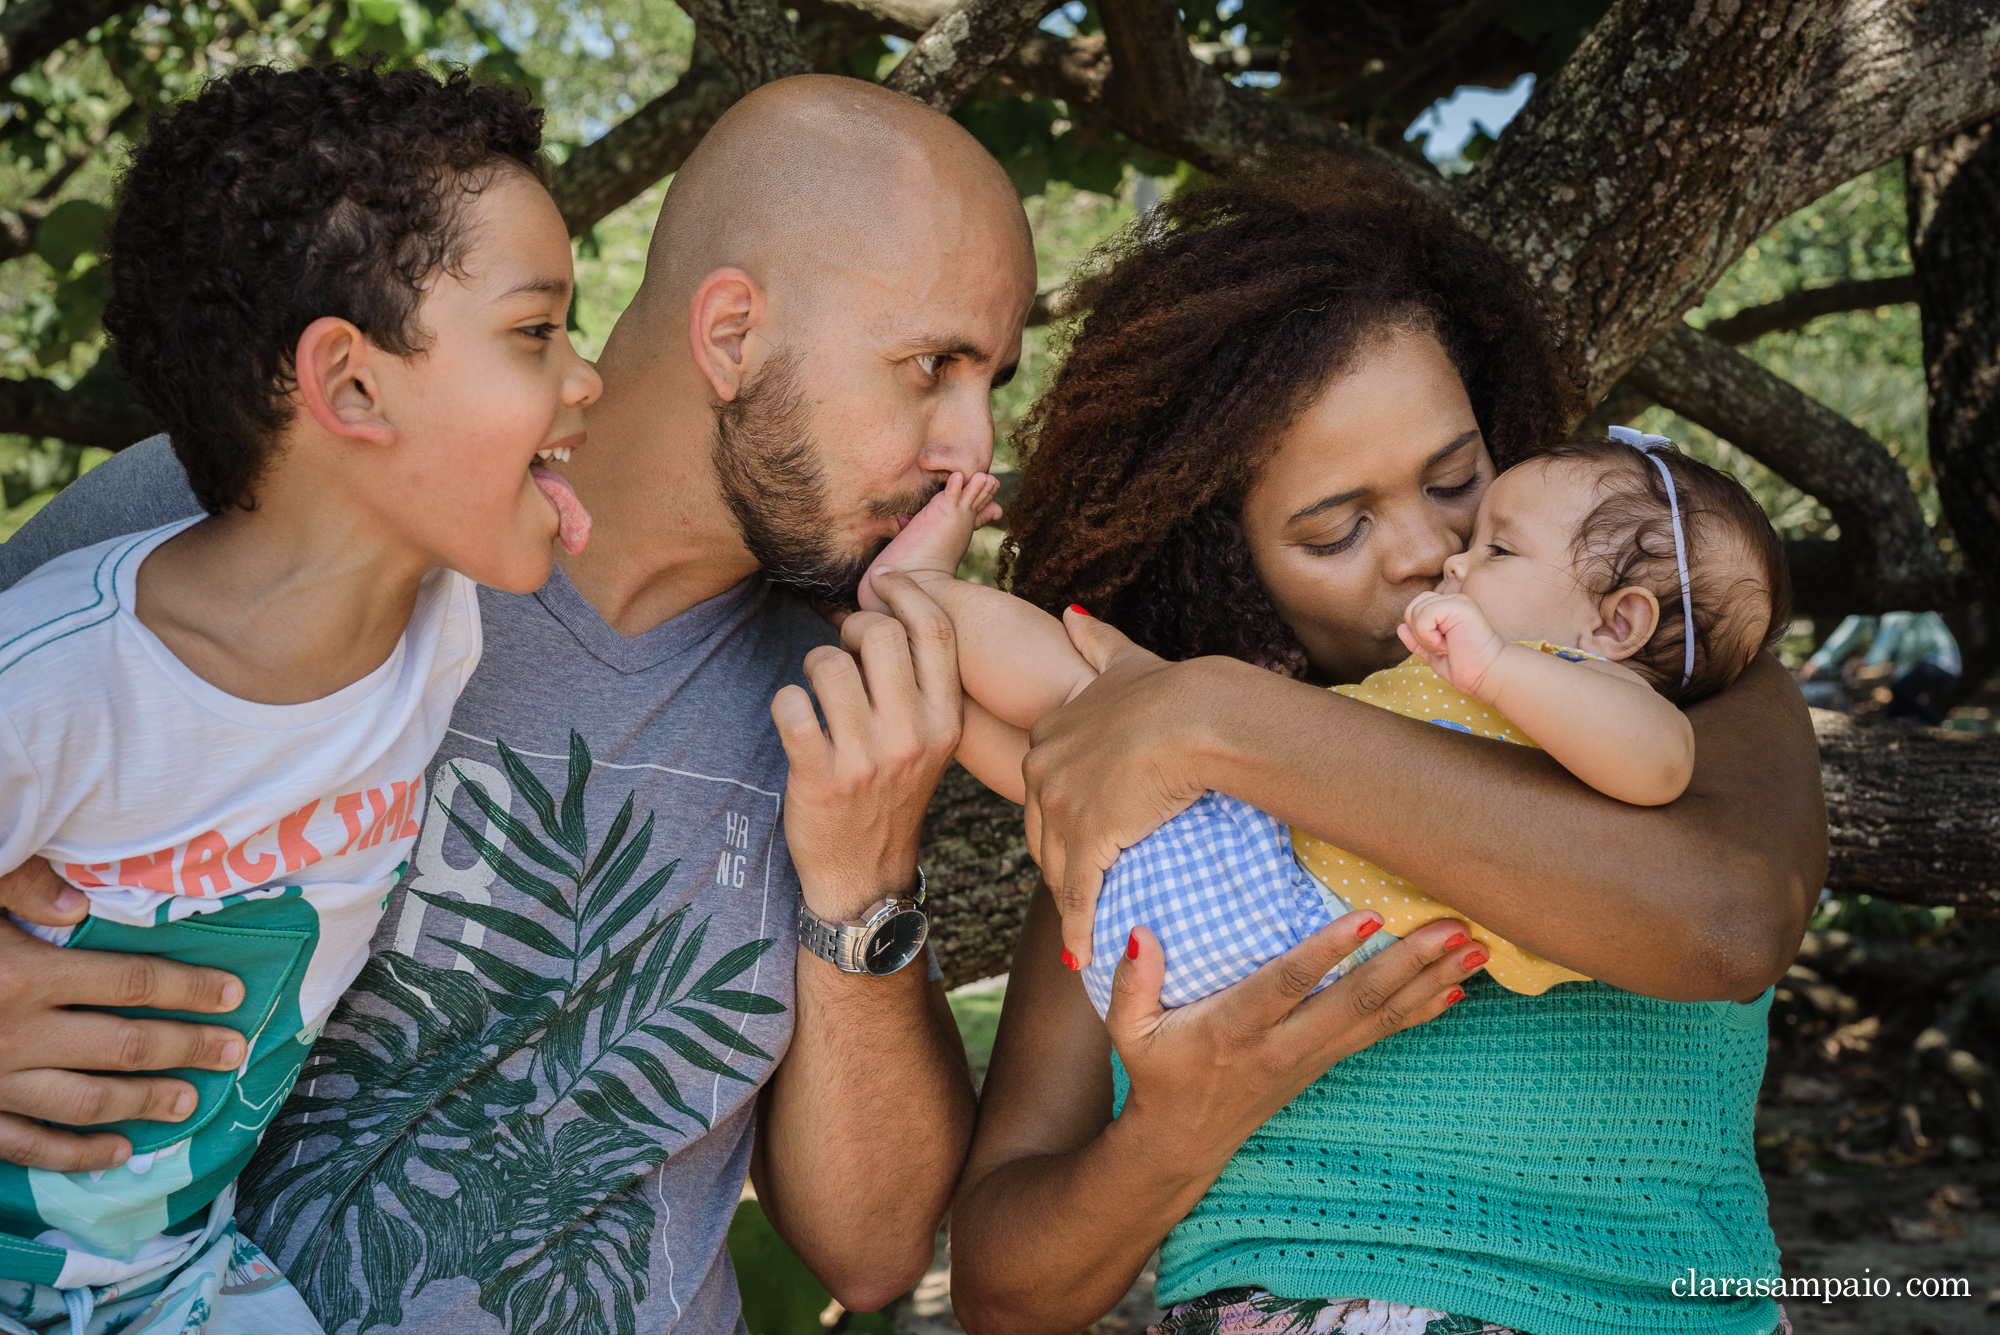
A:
(1910, 812)
(650, 143)
(31, 29)
(1886, 546)
(1447, 40)
(44, 408)
(752, 39)
(1807, 304)
(957, 52)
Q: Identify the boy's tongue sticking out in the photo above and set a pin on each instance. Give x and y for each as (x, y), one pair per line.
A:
(573, 521)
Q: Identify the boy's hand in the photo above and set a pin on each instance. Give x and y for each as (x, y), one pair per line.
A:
(1453, 638)
(45, 1046)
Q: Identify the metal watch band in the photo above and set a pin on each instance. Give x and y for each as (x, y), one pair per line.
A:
(840, 943)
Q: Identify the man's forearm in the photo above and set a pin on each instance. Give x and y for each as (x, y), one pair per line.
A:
(863, 1129)
(1698, 900)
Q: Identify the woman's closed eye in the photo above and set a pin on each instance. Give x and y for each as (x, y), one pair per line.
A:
(1465, 488)
(1341, 544)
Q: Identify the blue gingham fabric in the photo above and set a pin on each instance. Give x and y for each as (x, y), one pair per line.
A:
(1220, 888)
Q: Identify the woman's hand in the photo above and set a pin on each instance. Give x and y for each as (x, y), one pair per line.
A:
(1060, 1206)
(1109, 767)
(1217, 1069)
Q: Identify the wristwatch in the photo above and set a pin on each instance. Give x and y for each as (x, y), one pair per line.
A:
(887, 936)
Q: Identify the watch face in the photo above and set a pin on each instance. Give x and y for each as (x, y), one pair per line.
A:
(895, 943)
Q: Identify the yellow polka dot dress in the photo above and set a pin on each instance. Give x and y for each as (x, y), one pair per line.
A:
(1414, 691)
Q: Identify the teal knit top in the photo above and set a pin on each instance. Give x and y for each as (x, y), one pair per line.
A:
(1548, 1163)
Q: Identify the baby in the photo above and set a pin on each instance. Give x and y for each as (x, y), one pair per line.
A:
(344, 294)
(1607, 585)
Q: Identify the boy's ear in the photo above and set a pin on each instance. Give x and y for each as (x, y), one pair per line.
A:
(1627, 619)
(722, 314)
(339, 378)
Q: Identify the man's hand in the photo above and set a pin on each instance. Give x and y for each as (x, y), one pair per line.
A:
(1106, 770)
(858, 788)
(45, 1047)
(1453, 638)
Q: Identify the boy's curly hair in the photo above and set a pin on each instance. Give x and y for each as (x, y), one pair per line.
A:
(270, 199)
(1219, 316)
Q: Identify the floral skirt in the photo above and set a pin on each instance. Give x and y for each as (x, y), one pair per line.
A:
(1255, 1312)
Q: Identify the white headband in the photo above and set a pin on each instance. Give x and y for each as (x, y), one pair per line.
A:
(1646, 444)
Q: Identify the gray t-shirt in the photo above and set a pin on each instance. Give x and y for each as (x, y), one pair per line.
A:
(533, 1110)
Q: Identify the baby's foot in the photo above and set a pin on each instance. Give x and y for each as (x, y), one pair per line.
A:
(935, 539)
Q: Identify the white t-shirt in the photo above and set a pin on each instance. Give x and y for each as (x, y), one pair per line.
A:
(158, 794)
(167, 800)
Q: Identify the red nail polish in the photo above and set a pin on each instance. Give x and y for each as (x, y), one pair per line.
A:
(1132, 946)
(1069, 960)
(1078, 609)
(1367, 929)
(1473, 961)
(1453, 997)
(1458, 939)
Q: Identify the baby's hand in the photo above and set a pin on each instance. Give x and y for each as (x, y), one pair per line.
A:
(1453, 638)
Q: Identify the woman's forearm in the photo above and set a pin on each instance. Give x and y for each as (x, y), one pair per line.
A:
(1701, 899)
(1045, 1245)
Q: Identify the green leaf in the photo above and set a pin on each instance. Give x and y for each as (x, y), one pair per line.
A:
(574, 836)
(662, 1080)
(693, 1053)
(650, 974)
(684, 960)
(516, 830)
(510, 925)
(619, 824)
(509, 977)
(637, 901)
(72, 230)
(726, 968)
(623, 1100)
(749, 1003)
(619, 872)
(528, 786)
(513, 873)
(720, 1032)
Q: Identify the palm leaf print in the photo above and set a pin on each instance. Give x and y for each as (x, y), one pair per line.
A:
(497, 1124)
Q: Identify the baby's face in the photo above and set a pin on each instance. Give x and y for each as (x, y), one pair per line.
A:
(1521, 567)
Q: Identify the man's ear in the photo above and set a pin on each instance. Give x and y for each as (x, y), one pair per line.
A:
(724, 310)
(1627, 619)
(339, 378)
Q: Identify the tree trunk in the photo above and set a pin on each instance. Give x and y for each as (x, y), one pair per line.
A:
(976, 860)
(1954, 201)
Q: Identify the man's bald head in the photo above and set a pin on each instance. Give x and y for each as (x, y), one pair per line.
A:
(816, 177)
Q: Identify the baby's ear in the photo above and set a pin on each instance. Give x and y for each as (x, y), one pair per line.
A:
(1627, 618)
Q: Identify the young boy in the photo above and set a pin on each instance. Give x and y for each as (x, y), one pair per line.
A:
(344, 295)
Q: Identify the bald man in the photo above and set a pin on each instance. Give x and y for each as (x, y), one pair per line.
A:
(589, 1011)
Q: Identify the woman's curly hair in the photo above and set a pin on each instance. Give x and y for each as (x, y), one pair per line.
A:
(272, 198)
(1216, 318)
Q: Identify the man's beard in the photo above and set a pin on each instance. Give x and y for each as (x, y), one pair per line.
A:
(771, 474)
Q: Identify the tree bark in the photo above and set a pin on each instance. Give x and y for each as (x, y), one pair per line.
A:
(44, 408)
(752, 39)
(976, 860)
(1910, 811)
(956, 53)
(1954, 202)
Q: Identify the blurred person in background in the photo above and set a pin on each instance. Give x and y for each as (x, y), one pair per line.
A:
(1915, 651)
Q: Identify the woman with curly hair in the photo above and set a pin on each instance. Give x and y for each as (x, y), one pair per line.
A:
(1271, 434)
